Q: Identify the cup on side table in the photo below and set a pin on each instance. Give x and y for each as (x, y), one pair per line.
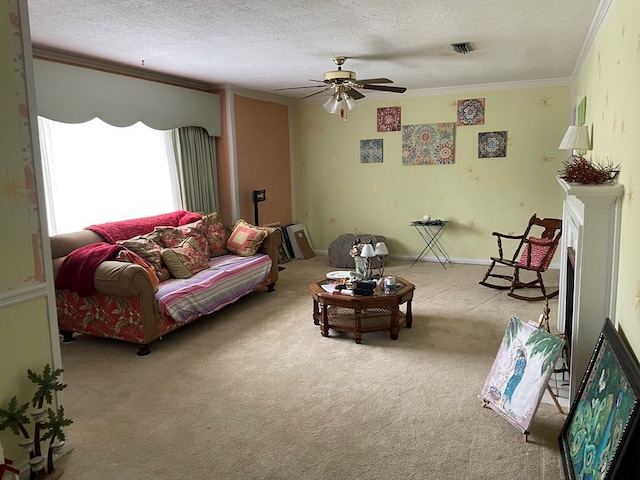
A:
(389, 285)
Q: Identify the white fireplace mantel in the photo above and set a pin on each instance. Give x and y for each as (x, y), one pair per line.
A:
(591, 228)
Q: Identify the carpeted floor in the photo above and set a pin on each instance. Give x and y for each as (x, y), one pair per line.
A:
(255, 392)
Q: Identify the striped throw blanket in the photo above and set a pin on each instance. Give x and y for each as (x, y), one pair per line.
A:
(228, 278)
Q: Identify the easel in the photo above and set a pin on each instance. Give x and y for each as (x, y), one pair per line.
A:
(544, 324)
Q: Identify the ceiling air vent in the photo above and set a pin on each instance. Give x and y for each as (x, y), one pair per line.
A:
(462, 47)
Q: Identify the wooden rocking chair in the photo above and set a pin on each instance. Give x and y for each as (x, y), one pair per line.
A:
(534, 254)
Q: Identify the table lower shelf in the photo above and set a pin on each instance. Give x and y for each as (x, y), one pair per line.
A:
(371, 320)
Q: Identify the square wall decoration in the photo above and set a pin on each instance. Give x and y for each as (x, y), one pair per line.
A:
(471, 112)
(388, 119)
(492, 144)
(371, 151)
(428, 144)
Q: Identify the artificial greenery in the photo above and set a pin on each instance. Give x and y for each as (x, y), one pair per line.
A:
(578, 169)
(49, 424)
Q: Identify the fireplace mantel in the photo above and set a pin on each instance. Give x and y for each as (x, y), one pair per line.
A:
(591, 228)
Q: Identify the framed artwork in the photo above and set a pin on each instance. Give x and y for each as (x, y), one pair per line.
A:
(470, 112)
(428, 144)
(520, 372)
(371, 151)
(283, 255)
(492, 144)
(582, 111)
(388, 119)
(599, 438)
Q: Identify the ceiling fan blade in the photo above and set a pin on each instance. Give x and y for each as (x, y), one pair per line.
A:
(373, 80)
(353, 93)
(296, 88)
(315, 93)
(385, 88)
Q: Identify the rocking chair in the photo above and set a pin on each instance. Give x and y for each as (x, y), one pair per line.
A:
(534, 254)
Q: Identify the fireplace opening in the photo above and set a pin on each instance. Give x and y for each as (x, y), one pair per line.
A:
(568, 303)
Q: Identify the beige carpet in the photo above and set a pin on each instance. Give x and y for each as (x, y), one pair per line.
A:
(255, 392)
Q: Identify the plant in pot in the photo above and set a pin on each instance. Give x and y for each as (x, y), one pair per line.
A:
(48, 423)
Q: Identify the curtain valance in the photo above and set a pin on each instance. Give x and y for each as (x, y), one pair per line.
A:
(72, 94)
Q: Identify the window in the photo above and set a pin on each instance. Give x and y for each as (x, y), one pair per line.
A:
(96, 173)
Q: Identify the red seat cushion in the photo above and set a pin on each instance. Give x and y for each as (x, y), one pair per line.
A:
(538, 253)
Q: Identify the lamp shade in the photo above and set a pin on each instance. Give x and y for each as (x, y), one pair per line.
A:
(332, 105)
(367, 250)
(351, 103)
(381, 249)
(576, 138)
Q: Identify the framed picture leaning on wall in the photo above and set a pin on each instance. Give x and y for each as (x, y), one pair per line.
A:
(600, 434)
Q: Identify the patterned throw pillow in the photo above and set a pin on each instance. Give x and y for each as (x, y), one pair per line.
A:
(537, 253)
(245, 239)
(216, 234)
(186, 259)
(129, 256)
(148, 247)
(171, 237)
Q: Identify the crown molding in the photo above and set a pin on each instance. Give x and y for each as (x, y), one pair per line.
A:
(267, 97)
(118, 69)
(461, 89)
(143, 74)
(601, 14)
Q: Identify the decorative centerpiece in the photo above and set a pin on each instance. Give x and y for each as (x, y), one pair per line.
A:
(48, 423)
(360, 261)
(364, 254)
(578, 169)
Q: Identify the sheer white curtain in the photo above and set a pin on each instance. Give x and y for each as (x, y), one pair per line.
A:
(97, 173)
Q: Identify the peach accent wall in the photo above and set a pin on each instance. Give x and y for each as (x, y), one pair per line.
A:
(223, 163)
(262, 146)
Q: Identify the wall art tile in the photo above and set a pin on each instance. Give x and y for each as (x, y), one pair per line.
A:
(428, 144)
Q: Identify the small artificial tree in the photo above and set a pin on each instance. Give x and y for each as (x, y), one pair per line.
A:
(49, 424)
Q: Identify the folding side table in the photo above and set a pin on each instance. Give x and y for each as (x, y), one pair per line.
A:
(431, 232)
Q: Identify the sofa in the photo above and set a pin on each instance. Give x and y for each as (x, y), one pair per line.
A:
(137, 280)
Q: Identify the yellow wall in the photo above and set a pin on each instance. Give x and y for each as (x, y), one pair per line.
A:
(610, 80)
(25, 339)
(337, 194)
(25, 344)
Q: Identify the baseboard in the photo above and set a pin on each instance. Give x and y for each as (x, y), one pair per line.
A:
(430, 259)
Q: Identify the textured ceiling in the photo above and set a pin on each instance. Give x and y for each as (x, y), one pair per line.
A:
(262, 45)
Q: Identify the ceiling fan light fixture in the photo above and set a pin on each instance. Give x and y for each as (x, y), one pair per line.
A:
(463, 48)
(351, 103)
(332, 105)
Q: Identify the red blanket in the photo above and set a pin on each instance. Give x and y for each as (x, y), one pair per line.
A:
(124, 229)
(77, 269)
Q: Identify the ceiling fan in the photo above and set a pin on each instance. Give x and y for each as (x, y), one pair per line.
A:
(343, 85)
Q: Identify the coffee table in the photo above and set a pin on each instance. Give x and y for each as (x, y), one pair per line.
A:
(362, 314)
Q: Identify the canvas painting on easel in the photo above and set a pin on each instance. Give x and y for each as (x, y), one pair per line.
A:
(520, 372)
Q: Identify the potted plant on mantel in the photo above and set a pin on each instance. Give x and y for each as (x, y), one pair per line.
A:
(578, 169)
(48, 423)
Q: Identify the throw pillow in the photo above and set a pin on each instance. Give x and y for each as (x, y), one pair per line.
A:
(186, 259)
(216, 234)
(245, 239)
(538, 251)
(171, 237)
(148, 247)
(128, 256)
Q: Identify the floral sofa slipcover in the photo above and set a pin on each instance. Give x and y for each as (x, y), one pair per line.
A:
(174, 269)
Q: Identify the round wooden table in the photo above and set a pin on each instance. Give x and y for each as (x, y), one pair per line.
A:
(362, 313)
